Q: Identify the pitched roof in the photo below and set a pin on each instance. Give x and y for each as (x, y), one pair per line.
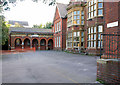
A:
(30, 30)
(62, 9)
(23, 23)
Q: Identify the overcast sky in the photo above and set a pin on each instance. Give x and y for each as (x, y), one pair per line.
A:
(34, 13)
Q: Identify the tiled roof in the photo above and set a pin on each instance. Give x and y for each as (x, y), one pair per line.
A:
(62, 9)
(30, 30)
(23, 23)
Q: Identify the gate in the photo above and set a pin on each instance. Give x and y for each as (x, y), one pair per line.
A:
(111, 46)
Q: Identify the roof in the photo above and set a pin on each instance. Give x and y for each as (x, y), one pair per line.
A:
(62, 9)
(30, 30)
(23, 23)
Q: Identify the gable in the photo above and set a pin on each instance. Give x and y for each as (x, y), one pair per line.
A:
(57, 14)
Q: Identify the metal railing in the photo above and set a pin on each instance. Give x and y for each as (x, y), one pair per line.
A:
(111, 46)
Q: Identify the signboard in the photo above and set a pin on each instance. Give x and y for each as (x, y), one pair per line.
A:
(34, 35)
(113, 24)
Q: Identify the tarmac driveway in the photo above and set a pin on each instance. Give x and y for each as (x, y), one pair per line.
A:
(48, 67)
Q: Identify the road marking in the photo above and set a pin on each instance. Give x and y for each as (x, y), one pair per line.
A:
(63, 75)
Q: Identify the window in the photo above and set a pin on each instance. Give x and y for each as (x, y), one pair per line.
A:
(82, 39)
(55, 42)
(95, 7)
(59, 41)
(95, 13)
(78, 33)
(78, 21)
(94, 36)
(74, 33)
(93, 10)
(100, 28)
(69, 40)
(78, 17)
(74, 12)
(82, 17)
(100, 12)
(78, 12)
(100, 5)
(69, 19)
(94, 1)
(82, 22)
(74, 17)
(82, 12)
(59, 26)
(100, 0)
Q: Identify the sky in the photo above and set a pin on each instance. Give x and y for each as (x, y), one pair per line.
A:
(34, 13)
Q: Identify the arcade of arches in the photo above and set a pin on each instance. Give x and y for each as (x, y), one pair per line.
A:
(38, 44)
(30, 38)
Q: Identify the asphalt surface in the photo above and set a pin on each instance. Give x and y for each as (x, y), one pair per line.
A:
(48, 67)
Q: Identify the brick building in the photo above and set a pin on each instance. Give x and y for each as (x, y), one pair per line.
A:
(84, 25)
(78, 26)
(59, 26)
(28, 38)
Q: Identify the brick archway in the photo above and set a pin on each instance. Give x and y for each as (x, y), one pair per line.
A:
(18, 43)
(43, 44)
(26, 43)
(35, 43)
(50, 44)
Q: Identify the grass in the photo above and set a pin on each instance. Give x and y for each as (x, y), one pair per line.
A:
(102, 82)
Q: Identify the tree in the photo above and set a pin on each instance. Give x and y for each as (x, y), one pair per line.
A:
(5, 3)
(18, 25)
(5, 33)
(48, 25)
(37, 26)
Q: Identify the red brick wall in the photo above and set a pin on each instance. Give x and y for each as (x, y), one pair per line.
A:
(109, 72)
(111, 14)
(62, 33)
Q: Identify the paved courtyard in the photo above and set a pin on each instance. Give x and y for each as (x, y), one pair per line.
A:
(48, 67)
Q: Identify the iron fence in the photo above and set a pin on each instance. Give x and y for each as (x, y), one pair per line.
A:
(111, 46)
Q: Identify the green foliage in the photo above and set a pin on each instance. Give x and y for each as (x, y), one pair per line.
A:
(47, 26)
(102, 82)
(18, 25)
(5, 33)
(5, 3)
(38, 26)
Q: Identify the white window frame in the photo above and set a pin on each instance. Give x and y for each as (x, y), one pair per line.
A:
(59, 41)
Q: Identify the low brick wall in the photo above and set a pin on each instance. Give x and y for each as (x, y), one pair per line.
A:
(108, 70)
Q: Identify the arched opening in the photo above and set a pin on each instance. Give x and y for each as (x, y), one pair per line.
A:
(18, 43)
(26, 43)
(43, 44)
(50, 44)
(35, 43)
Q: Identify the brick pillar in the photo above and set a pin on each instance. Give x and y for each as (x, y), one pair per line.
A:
(39, 44)
(47, 45)
(31, 43)
(12, 44)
